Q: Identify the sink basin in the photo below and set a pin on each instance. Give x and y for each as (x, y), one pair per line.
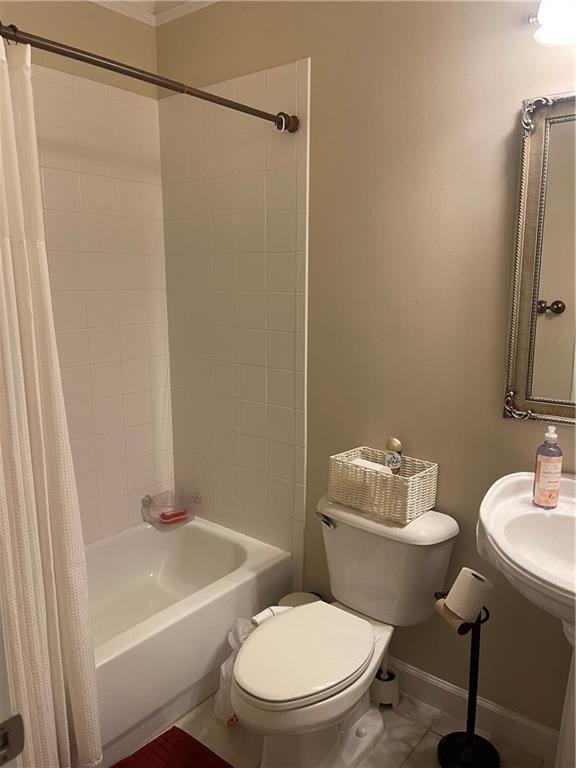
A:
(535, 549)
(545, 543)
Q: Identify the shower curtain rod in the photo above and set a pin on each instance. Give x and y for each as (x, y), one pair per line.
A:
(282, 120)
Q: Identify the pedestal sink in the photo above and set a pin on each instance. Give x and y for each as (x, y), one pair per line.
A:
(535, 549)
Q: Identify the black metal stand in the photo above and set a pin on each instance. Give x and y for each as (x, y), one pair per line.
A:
(465, 749)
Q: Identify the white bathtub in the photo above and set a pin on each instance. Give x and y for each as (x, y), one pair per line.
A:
(162, 603)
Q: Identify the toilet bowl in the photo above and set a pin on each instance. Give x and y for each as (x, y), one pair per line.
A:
(302, 678)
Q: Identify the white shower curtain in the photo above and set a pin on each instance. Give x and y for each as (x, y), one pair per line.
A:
(43, 582)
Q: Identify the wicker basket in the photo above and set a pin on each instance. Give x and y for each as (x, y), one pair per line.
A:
(400, 497)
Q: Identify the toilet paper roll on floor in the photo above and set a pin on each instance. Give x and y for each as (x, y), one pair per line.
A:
(468, 594)
(268, 613)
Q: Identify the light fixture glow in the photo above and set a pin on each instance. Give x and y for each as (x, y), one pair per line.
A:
(557, 22)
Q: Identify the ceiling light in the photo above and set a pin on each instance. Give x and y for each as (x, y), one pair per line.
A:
(556, 22)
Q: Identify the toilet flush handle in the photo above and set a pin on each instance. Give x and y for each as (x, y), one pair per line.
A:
(326, 520)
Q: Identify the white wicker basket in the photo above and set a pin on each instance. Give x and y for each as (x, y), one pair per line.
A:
(378, 495)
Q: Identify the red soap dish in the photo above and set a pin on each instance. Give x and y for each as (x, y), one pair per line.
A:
(174, 516)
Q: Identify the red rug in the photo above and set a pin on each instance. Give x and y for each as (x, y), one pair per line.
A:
(173, 749)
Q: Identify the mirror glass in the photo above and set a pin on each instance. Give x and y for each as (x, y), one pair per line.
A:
(554, 342)
(541, 369)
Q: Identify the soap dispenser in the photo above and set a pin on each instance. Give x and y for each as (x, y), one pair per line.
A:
(548, 471)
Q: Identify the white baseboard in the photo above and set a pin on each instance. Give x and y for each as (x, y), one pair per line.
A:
(520, 731)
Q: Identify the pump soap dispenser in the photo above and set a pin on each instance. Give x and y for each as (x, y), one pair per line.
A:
(548, 471)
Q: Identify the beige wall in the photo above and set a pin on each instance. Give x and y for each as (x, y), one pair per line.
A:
(414, 165)
(90, 27)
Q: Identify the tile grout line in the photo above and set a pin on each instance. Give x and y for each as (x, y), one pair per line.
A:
(420, 740)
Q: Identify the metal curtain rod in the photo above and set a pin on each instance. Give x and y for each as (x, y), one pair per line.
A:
(282, 120)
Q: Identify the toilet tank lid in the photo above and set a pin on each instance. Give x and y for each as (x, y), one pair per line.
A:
(427, 529)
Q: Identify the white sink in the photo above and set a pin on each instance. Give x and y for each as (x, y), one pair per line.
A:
(535, 549)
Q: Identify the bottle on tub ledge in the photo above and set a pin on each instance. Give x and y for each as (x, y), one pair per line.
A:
(393, 455)
(548, 471)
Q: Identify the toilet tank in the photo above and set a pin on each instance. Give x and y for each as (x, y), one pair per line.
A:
(387, 572)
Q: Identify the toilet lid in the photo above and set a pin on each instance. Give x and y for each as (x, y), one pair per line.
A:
(309, 652)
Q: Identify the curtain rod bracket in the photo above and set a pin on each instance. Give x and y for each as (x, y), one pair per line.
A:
(286, 122)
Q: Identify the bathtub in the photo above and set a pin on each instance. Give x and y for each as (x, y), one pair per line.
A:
(162, 603)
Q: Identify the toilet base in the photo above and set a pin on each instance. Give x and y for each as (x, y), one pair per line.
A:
(338, 746)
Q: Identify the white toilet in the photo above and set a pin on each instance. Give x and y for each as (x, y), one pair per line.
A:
(302, 678)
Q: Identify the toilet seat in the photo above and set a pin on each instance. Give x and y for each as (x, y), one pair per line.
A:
(303, 656)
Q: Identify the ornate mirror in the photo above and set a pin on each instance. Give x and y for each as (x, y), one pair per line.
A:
(541, 374)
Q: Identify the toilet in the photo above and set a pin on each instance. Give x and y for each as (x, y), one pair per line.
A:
(302, 679)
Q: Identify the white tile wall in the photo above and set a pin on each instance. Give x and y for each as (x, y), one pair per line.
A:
(235, 206)
(100, 158)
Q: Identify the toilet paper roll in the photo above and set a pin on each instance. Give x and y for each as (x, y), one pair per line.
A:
(468, 594)
(455, 622)
(268, 613)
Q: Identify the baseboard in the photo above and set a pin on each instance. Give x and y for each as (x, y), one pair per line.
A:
(520, 731)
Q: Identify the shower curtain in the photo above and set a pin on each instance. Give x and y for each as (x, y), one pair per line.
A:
(43, 581)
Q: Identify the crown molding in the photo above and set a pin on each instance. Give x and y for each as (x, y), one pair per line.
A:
(181, 10)
(126, 8)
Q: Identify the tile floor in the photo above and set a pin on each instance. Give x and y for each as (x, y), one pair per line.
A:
(412, 734)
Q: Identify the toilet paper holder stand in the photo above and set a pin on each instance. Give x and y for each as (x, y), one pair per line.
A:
(465, 749)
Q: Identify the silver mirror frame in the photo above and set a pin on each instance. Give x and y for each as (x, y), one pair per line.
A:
(519, 403)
